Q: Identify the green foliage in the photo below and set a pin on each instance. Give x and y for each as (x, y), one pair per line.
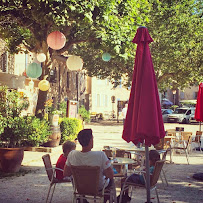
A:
(70, 127)
(84, 114)
(37, 131)
(173, 107)
(176, 28)
(105, 26)
(97, 26)
(17, 131)
(11, 105)
(63, 108)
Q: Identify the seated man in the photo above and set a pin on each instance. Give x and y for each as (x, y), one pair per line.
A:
(89, 158)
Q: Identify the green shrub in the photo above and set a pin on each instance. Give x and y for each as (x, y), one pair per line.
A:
(84, 114)
(37, 131)
(63, 108)
(12, 103)
(70, 127)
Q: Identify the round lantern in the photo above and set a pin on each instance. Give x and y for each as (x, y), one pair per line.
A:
(33, 70)
(106, 57)
(56, 40)
(74, 63)
(44, 85)
(41, 57)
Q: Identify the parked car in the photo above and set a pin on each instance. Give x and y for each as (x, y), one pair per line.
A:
(192, 118)
(165, 113)
(181, 115)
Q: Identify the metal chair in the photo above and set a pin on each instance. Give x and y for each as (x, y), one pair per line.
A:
(52, 176)
(185, 142)
(162, 170)
(197, 140)
(153, 181)
(86, 185)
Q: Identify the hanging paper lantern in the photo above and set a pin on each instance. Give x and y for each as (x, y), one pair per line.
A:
(33, 70)
(44, 85)
(74, 63)
(106, 57)
(41, 57)
(56, 40)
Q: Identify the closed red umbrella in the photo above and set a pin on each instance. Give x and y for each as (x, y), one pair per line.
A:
(144, 121)
(199, 105)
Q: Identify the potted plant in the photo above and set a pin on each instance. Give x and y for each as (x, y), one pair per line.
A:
(12, 103)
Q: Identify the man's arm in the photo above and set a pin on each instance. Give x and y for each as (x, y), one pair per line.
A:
(109, 173)
(67, 171)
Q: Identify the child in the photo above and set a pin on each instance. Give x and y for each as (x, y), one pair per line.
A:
(154, 156)
(67, 147)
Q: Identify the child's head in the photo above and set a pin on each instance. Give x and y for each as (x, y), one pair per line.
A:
(154, 156)
(67, 147)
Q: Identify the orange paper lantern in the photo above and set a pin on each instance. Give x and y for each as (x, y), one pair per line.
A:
(56, 40)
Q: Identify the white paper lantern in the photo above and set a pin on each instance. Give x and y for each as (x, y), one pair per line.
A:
(74, 63)
(41, 57)
(44, 85)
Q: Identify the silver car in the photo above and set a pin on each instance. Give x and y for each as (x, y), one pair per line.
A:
(192, 118)
(181, 115)
(165, 113)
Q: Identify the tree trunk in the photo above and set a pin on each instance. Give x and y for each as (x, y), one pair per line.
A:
(42, 96)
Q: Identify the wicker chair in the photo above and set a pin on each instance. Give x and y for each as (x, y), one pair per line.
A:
(51, 175)
(86, 185)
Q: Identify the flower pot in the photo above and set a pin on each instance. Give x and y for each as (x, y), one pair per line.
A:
(11, 159)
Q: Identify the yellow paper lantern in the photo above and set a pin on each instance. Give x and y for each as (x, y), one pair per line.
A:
(74, 63)
(44, 85)
(41, 57)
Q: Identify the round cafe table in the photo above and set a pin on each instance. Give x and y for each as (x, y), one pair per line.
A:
(121, 164)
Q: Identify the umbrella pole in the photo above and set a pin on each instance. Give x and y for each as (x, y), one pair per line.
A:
(200, 126)
(147, 173)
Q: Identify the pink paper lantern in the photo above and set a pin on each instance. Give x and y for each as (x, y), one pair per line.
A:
(56, 40)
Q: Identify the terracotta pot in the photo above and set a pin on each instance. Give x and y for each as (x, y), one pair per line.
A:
(11, 159)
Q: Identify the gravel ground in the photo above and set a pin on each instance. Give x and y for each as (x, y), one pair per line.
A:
(31, 185)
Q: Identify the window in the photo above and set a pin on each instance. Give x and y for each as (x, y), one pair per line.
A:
(106, 101)
(98, 100)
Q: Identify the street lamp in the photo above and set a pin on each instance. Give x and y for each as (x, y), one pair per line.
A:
(174, 96)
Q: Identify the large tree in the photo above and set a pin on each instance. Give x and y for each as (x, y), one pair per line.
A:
(93, 26)
(97, 26)
(176, 27)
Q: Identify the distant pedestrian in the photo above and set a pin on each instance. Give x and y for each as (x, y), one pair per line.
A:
(124, 112)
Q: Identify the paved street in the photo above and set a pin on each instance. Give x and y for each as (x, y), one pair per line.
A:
(33, 186)
(110, 133)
